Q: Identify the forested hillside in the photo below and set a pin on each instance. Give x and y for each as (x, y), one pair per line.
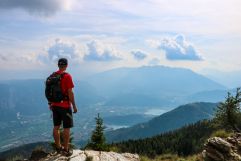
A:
(174, 119)
(185, 141)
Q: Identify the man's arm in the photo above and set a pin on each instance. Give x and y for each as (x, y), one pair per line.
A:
(71, 99)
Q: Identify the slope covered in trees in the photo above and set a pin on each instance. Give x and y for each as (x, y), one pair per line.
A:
(185, 141)
(190, 139)
(174, 119)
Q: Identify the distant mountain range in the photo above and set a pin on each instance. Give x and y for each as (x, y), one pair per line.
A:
(24, 96)
(150, 86)
(154, 80)
(229, 79)
(208, 96)
(144, 86)
(177, 118)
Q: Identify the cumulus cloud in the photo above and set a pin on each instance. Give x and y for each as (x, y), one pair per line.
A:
(61, 49)
(179, 49)
(41, 7)
(100, 52)
(138, 54)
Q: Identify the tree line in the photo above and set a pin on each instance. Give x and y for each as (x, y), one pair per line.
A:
(189, 139)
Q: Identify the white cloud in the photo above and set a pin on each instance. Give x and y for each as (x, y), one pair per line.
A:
(138, 54)
(62, 49)
(79, 51)
(177, 48)
(97, 51)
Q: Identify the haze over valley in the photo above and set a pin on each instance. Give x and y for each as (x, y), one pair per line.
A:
(124, 97)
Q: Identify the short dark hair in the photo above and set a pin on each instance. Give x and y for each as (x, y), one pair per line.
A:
(62, 62)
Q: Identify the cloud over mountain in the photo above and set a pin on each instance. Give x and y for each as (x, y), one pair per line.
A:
(60, 49)
(177, 48)
(97, 51)
(39, 7)
(138, 54)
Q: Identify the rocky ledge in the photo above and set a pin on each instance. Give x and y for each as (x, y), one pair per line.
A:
(88, 155)
(219, 149)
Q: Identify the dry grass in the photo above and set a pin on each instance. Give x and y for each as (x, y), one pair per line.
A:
(173, 157)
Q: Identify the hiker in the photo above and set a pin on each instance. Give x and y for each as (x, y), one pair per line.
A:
(61, 108)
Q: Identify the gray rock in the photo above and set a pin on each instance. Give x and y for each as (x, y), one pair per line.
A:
(219, 149)
(79, 155)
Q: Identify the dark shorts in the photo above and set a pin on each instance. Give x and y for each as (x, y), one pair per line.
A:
(62, 115)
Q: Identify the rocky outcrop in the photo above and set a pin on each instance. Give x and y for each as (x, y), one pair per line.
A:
(38, 154)
(219, 149)
(89, 155)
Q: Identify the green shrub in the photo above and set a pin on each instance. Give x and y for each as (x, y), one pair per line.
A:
(221, 133)
(172, 157)
(39, 148)
(15, 158)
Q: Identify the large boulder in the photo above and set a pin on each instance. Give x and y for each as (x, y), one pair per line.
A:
(219, 149)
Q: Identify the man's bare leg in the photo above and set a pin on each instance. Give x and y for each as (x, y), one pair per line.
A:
(56, 135)
(66, 138)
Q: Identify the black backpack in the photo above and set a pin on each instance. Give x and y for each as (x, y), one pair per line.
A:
(53, 90)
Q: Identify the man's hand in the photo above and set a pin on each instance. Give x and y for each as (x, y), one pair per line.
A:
(50, 107)
(71, 99)
(75, 109)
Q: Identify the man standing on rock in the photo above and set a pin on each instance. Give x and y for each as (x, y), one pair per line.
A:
(61, 109)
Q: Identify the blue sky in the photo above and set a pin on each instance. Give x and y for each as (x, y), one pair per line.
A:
(97, 35)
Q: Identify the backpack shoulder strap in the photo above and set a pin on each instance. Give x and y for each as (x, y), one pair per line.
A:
(53, 74)
(62, 74)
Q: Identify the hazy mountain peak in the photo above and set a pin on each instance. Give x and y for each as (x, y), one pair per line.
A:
(154, 81)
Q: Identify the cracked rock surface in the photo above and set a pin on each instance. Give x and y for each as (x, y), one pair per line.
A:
(80, 155)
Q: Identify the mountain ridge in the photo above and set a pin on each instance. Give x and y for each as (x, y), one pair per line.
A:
(159, 85)
(184, 115)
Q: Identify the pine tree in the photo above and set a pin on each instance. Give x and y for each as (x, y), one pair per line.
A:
(98, 139)
(228, 113)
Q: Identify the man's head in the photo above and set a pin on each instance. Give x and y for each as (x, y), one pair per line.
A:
(62, 63)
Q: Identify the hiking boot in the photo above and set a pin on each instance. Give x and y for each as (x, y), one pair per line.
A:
(67, 153)
(57, 150)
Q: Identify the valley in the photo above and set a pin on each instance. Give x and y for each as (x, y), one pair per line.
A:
(29, 129)
(124, 97)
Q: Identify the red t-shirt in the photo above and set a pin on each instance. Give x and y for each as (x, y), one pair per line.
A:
(66, 83)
